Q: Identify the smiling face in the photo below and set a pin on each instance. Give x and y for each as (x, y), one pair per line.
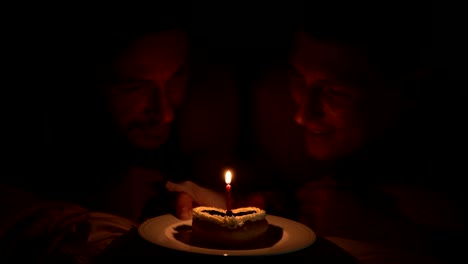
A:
(145, 85)
(325, 83)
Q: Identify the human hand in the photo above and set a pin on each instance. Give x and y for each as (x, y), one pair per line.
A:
(191, 195)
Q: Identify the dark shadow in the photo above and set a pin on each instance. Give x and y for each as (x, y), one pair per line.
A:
(270, 238)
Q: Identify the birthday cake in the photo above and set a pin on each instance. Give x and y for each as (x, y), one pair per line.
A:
(212, 225)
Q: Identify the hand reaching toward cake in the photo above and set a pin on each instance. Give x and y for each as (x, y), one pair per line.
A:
(191, 195)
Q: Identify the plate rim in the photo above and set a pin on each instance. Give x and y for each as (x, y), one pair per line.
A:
(165, 238)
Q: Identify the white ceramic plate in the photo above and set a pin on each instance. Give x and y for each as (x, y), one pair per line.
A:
(161, 230)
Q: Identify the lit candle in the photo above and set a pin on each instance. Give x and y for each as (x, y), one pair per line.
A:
(228, 178)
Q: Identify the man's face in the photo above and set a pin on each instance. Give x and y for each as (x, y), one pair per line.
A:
(324, 85)
(147, 84)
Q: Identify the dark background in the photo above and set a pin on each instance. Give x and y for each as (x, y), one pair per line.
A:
(47, 60)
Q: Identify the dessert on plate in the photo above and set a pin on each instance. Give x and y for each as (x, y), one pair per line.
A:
(213, 225)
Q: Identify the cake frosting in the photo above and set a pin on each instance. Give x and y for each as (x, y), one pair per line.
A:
(239, 216)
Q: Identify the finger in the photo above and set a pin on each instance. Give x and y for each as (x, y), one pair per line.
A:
(184, 206)
(185, 186)
(208, 197)
(200, 195)
(174, 187)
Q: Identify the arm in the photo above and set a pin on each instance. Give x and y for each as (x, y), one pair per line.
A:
(53, 230)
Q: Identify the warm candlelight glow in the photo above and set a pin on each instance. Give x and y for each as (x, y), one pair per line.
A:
(228, 177)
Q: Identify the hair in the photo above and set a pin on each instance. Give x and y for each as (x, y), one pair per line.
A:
(110, 40)
(391, 37)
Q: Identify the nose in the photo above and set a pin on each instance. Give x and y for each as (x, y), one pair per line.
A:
(157, 104)
(311, 107)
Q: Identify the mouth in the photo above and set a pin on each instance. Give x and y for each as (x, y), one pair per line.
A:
(319, 132)
(150, 125)
(150, 130)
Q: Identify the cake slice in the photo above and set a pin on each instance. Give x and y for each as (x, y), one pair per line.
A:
(212, 225)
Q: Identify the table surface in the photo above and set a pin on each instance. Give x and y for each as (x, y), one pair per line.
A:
(132, 248)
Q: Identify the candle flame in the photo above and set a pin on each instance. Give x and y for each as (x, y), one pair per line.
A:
(228, 177)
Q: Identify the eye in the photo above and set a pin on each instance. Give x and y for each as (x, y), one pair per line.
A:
(296, 78)
(293, 73)
(297, 84)
(337, 90)
(181, 72)
(176, 85)
(133, 87)
(128, 86)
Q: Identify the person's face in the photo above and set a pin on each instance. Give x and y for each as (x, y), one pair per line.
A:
(148, 85)
(328, 98)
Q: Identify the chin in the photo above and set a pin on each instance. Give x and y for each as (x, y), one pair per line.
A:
(325, 150)
(148, 143)
(331, 147)
(320, 154)
(320, 149)
(330, 153)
